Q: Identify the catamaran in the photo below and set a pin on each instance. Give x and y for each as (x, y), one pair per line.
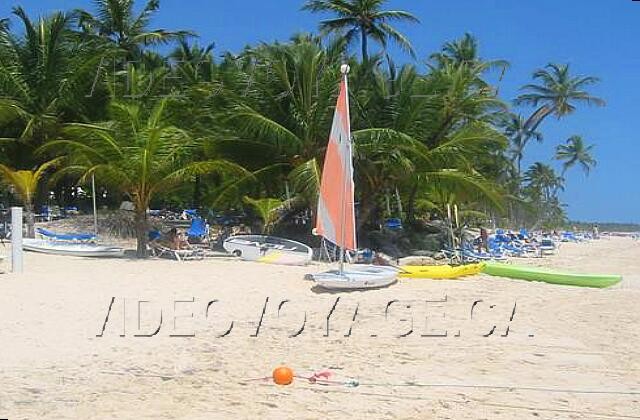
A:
(336, 216)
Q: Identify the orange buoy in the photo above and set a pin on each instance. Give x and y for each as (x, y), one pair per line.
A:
(282, 375)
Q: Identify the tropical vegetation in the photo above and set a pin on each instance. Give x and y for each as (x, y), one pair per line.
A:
(84, 94)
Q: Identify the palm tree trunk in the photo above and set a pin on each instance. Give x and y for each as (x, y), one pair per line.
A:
(365, 53)
(536, 118)
(197, 192)
(442, 130)
(557, 187)
(141, 232)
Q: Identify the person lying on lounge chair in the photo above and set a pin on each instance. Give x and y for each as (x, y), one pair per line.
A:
(173, 240)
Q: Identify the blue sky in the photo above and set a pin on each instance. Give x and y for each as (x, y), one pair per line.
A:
(597, 37)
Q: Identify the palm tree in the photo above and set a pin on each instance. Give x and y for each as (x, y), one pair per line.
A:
(387, 158)
(282, 120)
(543, 181)
(46, 78)
(541, 193)
(267, 209)
(465, 51)
(426, 129)
(196, 78)
(25, 185)
(558, 93)
(363, 17)
(573, 152)
(193, 62)
(515, 128)
(137, 152)
(116, 22)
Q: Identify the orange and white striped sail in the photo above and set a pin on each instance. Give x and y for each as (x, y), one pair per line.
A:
(336, 219)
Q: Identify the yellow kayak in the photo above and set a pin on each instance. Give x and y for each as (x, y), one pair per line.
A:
(440, 271)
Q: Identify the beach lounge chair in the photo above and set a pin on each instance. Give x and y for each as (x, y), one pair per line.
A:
(159, 250)
(198, 232)
(44, 215)
(548, 247)
(393, 224)
(71, 211)
(471, 254)
(66, 237)
(189, 214)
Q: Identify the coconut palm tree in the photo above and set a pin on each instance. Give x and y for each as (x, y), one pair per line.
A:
(541, 179)
(541, 200)
(465, 51)
(116, 22)
(444, 114)
(386, 158)
(558, 93)
(515, 128)
(194, 63)
(46, 78)
(195, 76)
(282, 119)
(365, 18)
(573, 152)
(25, 185)
(137, 152)
(267, 209)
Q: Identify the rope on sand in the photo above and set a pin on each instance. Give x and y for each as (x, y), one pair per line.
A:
(503, 387)
(588, 414)
(322, 378)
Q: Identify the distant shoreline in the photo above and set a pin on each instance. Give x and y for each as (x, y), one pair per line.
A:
(614, 227)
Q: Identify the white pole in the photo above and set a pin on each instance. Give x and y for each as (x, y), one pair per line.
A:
(455, 212)
(453, 241)
(288, 193)
(95, 210)
(400, 210)
(344, 69)
(16, 239)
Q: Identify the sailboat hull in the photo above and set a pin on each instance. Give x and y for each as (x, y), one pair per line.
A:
(366, 277)
(72, 249)
(268, 249)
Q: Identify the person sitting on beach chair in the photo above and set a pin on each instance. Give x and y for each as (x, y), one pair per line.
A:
(175, 245)
(175, 240)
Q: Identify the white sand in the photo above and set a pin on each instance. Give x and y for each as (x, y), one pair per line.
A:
(52, 364)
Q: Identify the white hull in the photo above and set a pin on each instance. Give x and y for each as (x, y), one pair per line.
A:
(365, 277)
(72, 249)
(268, 249)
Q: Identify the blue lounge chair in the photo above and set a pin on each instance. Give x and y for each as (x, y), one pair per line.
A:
(189, 214)
(198, 231)
(69, 237)
(393, 224)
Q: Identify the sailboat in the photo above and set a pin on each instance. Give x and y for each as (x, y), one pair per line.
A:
(74, 244)
(336, 216)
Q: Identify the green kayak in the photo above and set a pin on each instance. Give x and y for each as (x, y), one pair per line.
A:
(539, 274)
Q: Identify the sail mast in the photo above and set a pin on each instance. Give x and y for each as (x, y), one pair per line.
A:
(336, 213)
(344, 69)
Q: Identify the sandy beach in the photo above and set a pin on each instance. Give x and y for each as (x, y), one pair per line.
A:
(414, 348)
